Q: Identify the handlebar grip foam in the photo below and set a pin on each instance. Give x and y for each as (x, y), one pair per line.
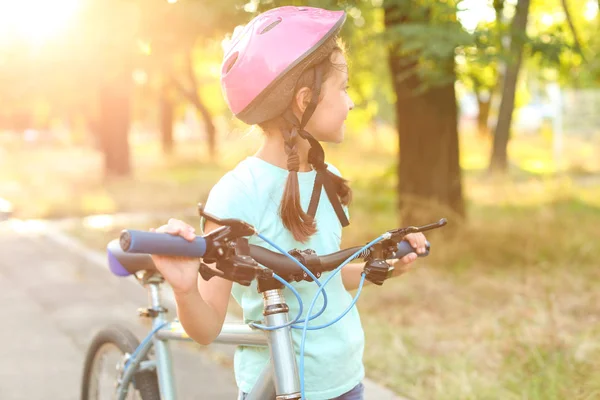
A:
(405, 248)
(134, 241)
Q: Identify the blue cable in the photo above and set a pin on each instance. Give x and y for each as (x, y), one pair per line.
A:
(352, 304)
(312, 304)
(301, 307)
(314, 328)
(335, 271)
(314, 278)
(144, 342)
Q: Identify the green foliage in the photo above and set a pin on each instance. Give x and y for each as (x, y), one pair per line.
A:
(369, 74)
(430, 46)
(155, 36)
(552, 43)
(478, 62)
(545, 47)
(425, 34)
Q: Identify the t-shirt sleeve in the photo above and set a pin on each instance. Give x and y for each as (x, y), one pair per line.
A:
(338, 173)
(229, 198)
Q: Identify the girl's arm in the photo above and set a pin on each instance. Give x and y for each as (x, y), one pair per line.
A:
(202, 309)
(351, 276)
(351, 272)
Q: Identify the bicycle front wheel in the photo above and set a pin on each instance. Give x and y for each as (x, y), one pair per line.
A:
(104, 365)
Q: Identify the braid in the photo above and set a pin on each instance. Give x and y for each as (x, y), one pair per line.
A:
(291, 149)
(300, 224)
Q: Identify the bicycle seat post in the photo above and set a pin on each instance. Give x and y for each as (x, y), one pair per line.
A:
(162, 352)
(152, 281)
(283, 356)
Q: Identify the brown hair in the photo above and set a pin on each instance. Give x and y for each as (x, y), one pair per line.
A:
(299, 223)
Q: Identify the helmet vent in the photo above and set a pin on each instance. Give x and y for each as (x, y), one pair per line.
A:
(270, 26)
(230, 63)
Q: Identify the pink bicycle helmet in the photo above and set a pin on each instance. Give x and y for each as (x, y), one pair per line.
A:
(261, 68)
(260, 72)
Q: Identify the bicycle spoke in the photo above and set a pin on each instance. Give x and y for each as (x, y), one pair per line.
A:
(106, 371)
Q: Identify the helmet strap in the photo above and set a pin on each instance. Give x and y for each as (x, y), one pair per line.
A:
(314, 99)
(316, 154)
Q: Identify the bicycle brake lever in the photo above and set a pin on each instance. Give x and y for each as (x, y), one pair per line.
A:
(207, 272)
(238, 228)
(240, 269)
(398, 234)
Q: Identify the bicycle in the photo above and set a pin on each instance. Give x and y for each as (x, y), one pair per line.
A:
(238, 261)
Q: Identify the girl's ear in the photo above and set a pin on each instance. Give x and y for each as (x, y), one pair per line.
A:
(302, 99)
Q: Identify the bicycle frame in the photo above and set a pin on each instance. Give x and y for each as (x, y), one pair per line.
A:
(279, 378)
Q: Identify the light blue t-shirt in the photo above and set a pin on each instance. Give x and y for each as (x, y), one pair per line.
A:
(252, 192)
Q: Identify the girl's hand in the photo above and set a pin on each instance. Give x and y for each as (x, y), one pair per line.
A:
(418, 242)
(180, 272)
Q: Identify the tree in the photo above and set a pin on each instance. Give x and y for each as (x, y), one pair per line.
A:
(576, 41)
(190, 93)
(100, 61)
(478, 70)
(166, 106)
(498, 160)
(114, 122)
(423, 37)
(169, 52)
(483, 64)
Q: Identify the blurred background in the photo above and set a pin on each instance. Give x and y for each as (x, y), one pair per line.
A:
(484, 112)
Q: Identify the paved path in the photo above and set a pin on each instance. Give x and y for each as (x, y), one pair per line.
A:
(53, 301)
(55, 294)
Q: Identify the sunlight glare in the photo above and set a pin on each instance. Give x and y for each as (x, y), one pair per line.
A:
(101, 221)
(251, 6)
(547, 19)
(5, 206)
(591, 10)
(34, 20)
(472, 12)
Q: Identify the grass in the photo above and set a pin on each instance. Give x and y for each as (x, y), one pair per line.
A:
(507, 306)
(496, 313)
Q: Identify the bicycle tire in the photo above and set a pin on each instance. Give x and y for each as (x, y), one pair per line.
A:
(145, 383)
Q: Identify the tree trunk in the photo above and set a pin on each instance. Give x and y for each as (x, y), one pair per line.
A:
(576, 40)
(113, 63)
(194, 97)
(209, 126)
(483, 115)
(166, 120)
(499, 162)
(429, 176)
(114, 123)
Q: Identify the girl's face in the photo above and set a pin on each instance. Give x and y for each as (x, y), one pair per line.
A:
(327, 122)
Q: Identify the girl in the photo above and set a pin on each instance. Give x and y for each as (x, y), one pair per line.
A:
(287, 73)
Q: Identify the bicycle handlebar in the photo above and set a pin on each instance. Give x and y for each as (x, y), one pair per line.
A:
(135, 241)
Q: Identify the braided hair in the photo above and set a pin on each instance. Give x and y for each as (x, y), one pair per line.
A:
(294, 218)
